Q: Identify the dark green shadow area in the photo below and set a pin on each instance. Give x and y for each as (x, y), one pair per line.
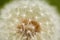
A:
(3, 2)
(55, 3)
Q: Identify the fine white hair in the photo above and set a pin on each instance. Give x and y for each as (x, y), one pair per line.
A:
(40, 10)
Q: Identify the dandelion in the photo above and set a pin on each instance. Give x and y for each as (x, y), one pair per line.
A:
(28, 20)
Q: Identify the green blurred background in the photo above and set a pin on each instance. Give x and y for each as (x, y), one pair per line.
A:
(51, 2)
(3, 2)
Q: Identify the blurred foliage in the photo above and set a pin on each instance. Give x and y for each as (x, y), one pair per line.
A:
(55, 3)
(3, 2)
(51, 2)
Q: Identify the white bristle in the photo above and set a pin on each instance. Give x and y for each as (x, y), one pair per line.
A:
(10, 17)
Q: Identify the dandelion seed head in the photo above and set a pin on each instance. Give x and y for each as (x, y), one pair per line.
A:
(35, 16)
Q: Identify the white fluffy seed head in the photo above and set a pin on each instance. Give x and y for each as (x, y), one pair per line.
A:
(46, 14)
